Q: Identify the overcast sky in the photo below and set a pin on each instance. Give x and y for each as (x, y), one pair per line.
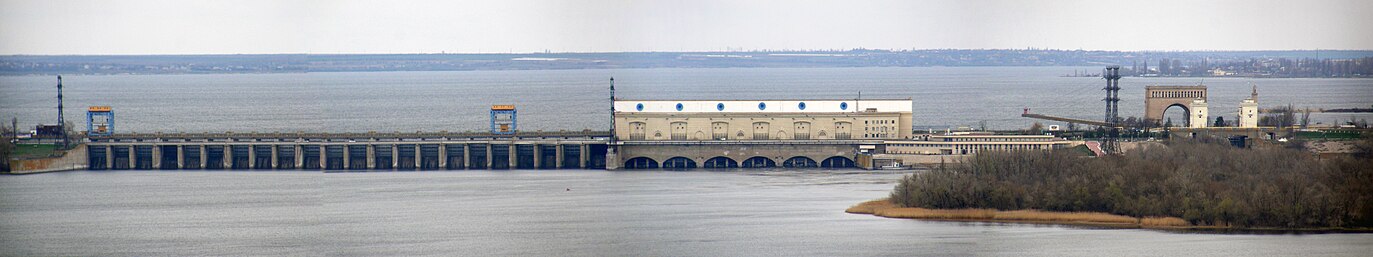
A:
(234, 27)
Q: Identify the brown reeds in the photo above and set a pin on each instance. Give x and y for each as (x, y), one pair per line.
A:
(885, 208)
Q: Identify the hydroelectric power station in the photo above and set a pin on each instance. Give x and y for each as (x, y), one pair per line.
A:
(644, 134)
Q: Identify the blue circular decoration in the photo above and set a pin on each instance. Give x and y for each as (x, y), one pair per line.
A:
(679, 107)
(762, 106)
(639, 107)
(801, 105)
(720, 106)
(844, 106)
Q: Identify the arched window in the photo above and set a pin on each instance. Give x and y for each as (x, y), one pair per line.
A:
(760, 130)
(801, 130)
(719, 130)
(637, 130)
(841, 130)
(679, 130)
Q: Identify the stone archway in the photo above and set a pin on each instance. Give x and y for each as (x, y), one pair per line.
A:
(1159, 98)
(1186, 113)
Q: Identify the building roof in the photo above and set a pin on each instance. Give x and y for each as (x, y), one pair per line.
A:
(761, 106)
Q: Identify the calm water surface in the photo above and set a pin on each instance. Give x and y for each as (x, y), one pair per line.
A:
(754, 213)
(522, 213)
(578, 99)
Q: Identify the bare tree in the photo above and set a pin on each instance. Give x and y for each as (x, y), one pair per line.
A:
(7, 141)
(1306, 117)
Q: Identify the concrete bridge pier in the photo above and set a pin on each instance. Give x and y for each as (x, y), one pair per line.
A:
(418, 157)
(347, 154)
(558, 156)
(133, 159)
(443, 156)
(466, 156)
(489, 156)
(538, 156)
(274, 152)
(180, 157)
(372, 156)
(583, 158)
(512, 156)
(252, 157)
(156, 157)
(228, 160)
(109, 157)
(395, 156)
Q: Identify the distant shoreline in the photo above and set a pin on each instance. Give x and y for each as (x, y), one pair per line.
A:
(1276, 63)
(4, 73)
(887, 209)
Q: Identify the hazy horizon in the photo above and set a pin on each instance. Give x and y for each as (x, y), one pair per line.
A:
(718, 51)
(158, 27)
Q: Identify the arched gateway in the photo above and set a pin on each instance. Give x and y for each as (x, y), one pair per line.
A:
(1192, 99)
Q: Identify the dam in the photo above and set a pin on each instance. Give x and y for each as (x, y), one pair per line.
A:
(348, 151)
(644, 134)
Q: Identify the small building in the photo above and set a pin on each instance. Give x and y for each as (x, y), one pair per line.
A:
(1249, 110)
(1199, 115)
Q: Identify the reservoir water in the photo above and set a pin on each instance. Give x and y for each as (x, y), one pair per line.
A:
(524, 213)
(568, 212)
(579, 99)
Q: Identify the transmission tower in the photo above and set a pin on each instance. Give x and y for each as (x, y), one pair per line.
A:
(1112, 76)
(61, 123)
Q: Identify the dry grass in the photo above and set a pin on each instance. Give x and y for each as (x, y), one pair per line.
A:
(1164, 222)
(885, 208)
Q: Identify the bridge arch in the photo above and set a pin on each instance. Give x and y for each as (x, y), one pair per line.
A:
(720, 162)
(679, 163)
(800, 162)
(837, 162)
(758, 162)
(641, 163)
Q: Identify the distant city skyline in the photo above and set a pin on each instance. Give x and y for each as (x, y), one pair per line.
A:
(87, 27)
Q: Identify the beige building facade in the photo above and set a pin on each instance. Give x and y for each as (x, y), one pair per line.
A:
(739, 120)
(971, 143)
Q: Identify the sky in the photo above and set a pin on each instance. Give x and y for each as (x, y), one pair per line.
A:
(79, 27)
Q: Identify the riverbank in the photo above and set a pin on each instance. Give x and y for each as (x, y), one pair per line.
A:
(51, 161)
(885, 208)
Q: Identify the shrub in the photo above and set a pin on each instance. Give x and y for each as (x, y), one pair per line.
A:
(1203, 183)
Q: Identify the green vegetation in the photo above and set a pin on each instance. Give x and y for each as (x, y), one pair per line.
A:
(1206, 184)
(1327, 134)
(24, 151)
